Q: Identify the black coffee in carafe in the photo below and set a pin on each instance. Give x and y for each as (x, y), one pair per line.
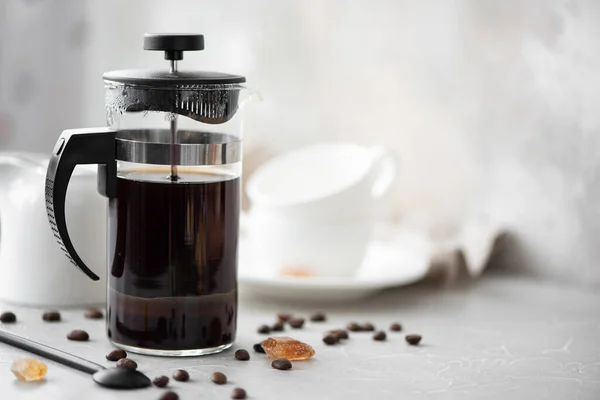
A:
(169, 164)
(173, 260)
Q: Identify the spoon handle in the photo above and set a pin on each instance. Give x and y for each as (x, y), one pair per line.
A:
(50, 353)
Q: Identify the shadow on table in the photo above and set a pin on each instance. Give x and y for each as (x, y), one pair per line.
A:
(28, 386)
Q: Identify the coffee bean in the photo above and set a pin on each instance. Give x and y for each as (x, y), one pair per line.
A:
(282, 364)
(380, 336)
(340, 333)
(242, 355)
(296, 323)
(283, 317)
(93, 313)
(181, 375)
(78, 335)
(8, 317)
(127, 363)
(219, 378)
(238, 393)
(331, 339)
(277, 327)
(367, 327)
(395, 327)
(161, 381)
(258, 348)
(116, 355)
(413, 339)
(51, 316)
(169, 396)
(318, 317)
(264, 329)
(354, 327)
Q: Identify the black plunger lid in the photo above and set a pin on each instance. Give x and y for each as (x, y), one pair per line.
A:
(174, 45)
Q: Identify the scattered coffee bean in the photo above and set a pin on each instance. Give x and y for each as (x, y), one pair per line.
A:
(380, 336)
(51, 316)
(331, 339)
(219, 378)
(277, 327)
(296, 323)
(161, 381)
(395, 327)
(238, 393)
(318, 317)
(413, 339)
(258, 348)
(169, 396)
(354, 327)
(264, 329)
(93, 313)
(283, 317)
(367, 327)
(116, 355)
(8, 317)
(78, 335)
(340, 333)
(181, 375)
(242, 355)
(127, 363)
(282, 364)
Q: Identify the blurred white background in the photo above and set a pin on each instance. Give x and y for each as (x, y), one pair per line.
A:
(491, 105)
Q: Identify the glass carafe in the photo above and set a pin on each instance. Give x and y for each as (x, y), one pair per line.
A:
(169, 164)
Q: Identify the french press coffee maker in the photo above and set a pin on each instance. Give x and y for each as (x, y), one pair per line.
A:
(169, 164)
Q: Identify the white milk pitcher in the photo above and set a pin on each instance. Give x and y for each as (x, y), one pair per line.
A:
(33, 269)
(313, 209)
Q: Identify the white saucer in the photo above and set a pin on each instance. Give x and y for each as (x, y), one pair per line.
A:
(400, 262)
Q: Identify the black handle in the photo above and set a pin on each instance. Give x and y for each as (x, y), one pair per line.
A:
(78, 146)
(50, 353)
(173, 44)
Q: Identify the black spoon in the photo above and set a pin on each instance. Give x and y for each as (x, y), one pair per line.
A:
(115, 378)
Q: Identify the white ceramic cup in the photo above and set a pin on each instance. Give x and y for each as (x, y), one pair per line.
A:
(312, 209)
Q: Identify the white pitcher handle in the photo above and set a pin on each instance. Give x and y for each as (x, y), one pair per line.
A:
(383, 171)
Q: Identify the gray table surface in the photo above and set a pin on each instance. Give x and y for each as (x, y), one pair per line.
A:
(501, 337)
